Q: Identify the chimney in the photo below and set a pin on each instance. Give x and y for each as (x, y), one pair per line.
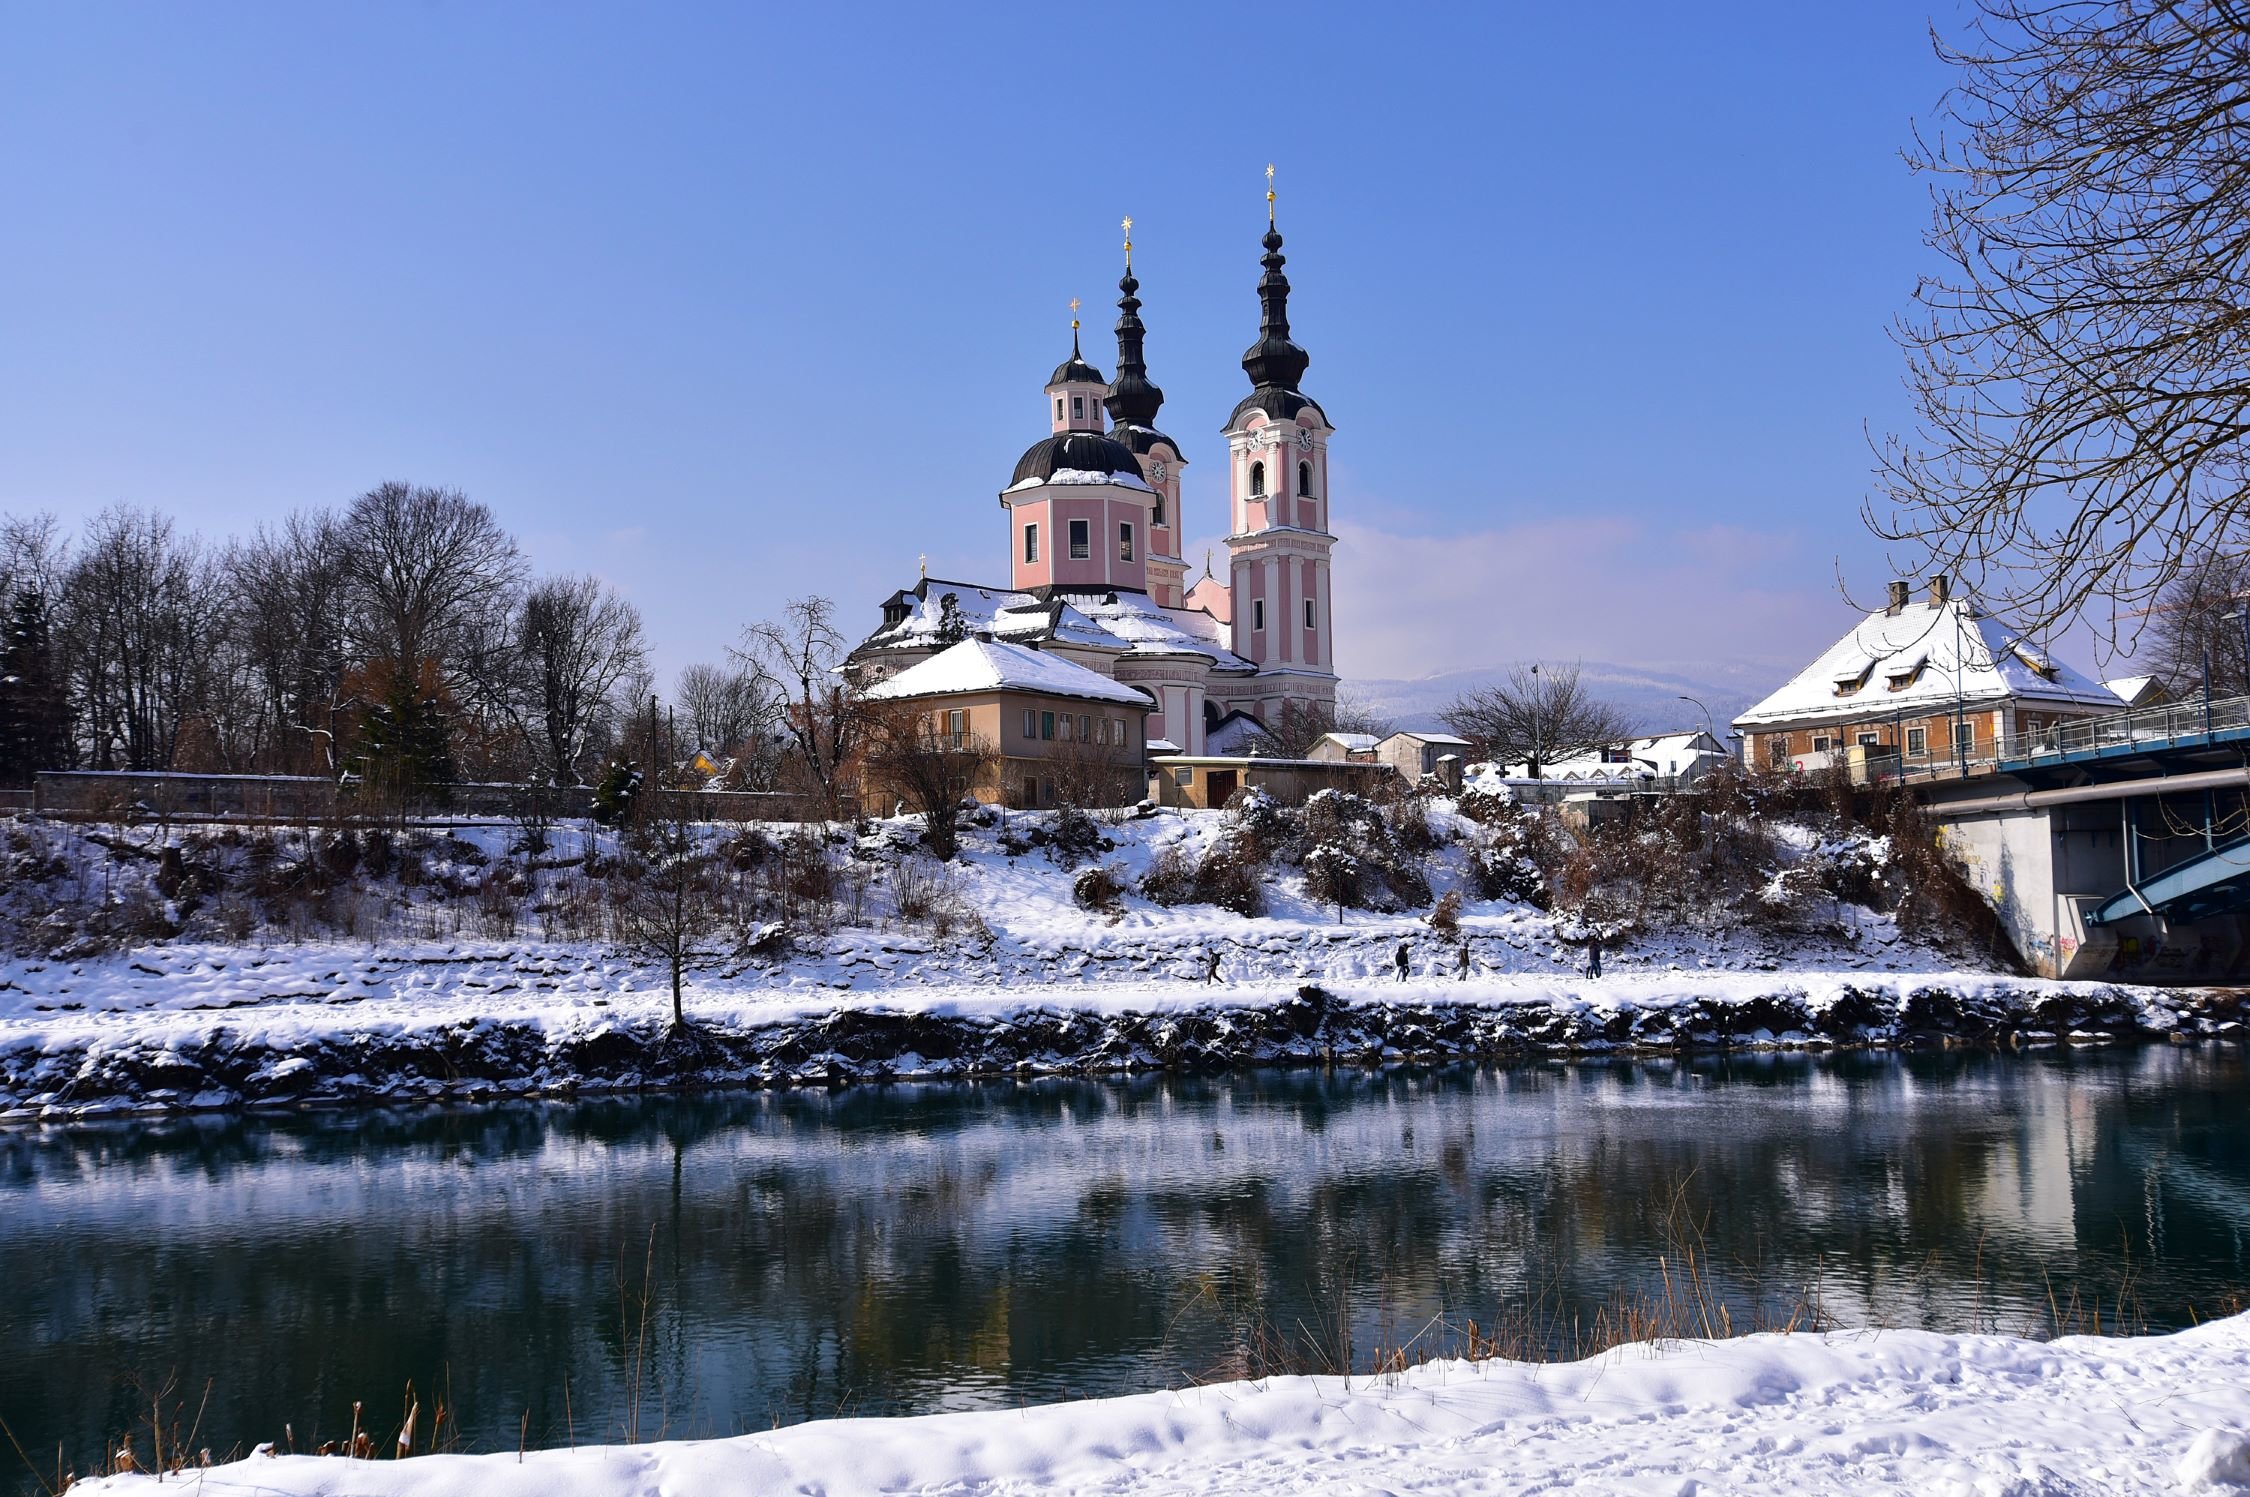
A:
(1941, 588)
(1900, 587)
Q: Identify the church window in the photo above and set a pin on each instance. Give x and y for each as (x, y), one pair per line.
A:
(1158, 517)
(1257, 613)
(1058, 407)
(1030, 544)
(1124, 540)
(1078, 407)
(1304, 479)
(1257, 480)
(1081, 542)
(1308, 613)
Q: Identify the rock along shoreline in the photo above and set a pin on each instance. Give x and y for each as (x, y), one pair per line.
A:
(215, 1064)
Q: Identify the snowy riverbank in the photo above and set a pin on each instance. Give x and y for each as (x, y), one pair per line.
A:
(190, 1028)
(1891, 1411)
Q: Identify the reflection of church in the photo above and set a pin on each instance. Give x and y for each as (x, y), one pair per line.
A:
(1093, 542)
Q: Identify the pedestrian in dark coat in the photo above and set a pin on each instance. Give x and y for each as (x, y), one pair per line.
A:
(1594, 956)
(1404, 958)
(1211, 965)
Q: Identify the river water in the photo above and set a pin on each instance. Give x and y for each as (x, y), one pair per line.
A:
(747, 1259)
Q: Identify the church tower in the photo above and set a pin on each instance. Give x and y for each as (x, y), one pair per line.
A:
(1079, 511)
(1279, 540)
(1133, 403)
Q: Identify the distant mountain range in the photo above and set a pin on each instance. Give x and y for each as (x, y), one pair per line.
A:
(1649, 695)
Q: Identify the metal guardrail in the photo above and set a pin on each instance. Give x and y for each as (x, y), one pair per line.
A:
(2149, 727)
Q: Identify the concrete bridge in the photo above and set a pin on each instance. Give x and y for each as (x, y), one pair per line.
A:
(2114, 846)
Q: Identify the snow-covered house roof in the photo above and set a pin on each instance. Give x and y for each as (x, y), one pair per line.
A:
(1352, 743)
(2138, 691)
(1443, 740)
(979, 665)
(1671, 756)
(1923, 657)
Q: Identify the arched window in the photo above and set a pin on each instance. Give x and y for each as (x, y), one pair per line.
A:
(1257, 480)
(1304, 479)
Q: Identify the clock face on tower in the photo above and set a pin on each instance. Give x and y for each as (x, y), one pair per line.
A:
(1157, 470)
(1304, 441)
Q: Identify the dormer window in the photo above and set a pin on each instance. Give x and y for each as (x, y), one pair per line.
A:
(1304, 479)
(1257, 480)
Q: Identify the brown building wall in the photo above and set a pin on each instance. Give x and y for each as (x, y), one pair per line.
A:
(1104, 742)
(1989, 724)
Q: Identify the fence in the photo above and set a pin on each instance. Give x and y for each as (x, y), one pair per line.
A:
(120, 795)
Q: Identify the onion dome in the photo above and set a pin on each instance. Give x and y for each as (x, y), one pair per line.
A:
(1274, 363)
(1076, 452)
(1133, 399)
(1074, 370)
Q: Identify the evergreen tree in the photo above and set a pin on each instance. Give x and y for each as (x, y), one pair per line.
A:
(34, 711)
(952, 628)
(616, 791)
(406, 744)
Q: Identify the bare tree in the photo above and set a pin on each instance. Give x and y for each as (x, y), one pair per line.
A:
(796, 658)
(672, 906)
(283, 608)
(2081, 370)
(33, 555)
(1298, 727)
(910, 757)
(1539, 714)
(135, 638)
(426, 568)
(722, 708)
(577, 641)
(2197, 620)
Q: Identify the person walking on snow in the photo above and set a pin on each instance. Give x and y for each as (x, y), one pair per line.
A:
(1211, 965)
(1594, 955)
(1461, 972)
(1403, 957)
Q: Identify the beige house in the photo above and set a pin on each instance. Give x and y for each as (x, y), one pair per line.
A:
(1209, 781)
(1414, 755)
(1922, 682)
(1055, 730)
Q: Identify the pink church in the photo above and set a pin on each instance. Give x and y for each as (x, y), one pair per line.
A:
(1093, 536)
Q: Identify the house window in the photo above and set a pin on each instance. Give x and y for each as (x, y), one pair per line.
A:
(1429, 758)
(1822, 743)
(1030, 545)
(1030, 723)
(1308, 613)
(1257, 480)
(1257, 613)
(1870, 740)
(1917, 741)
(1964, 735)
(1046, 725)
(1078, 407)
(1085, 729)
(1304, 479)
(1080, 544)
(1065, 725)
(1183, 777)
(1777, 750)
(1117, 732)
(957, 727)
(1124, 540)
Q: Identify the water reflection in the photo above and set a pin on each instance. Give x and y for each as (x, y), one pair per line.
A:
(912, 1248)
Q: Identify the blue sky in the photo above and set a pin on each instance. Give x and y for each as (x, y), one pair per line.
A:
(733, 303)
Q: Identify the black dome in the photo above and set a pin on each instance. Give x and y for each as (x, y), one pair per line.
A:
(1142, 439)
(1075, 371)
(1283, 405)
(1082, 451)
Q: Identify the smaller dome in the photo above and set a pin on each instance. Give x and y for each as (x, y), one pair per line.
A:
(1283, 405)
(1079, 452)
(1075, 371)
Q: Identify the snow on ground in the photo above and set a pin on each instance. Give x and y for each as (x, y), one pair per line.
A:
(1857, 1412)
(1024, 979)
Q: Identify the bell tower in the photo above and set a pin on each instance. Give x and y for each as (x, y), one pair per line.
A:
(1278, 541)
(1133, 403)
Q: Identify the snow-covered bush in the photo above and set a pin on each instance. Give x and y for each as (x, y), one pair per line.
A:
(1170, 879)
(1352, 857)
(1073, 836)
(1486, 798)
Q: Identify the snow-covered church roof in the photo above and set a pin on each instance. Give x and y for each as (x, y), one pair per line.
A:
(976, 665)
(1926, 656)
(1128, 622)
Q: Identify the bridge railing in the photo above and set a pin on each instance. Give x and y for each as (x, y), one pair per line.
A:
(2148, 727)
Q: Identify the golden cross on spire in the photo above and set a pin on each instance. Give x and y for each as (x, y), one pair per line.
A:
(925, 559)
(1127, 226)
(1074, 314)
(1269, 194)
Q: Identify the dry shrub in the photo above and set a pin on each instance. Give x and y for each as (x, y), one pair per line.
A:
(1229, 876)
(915, 887)
(1351, 856)
(1100, 889)
(1445, 915)
(1170, 880)
(1408, 817)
